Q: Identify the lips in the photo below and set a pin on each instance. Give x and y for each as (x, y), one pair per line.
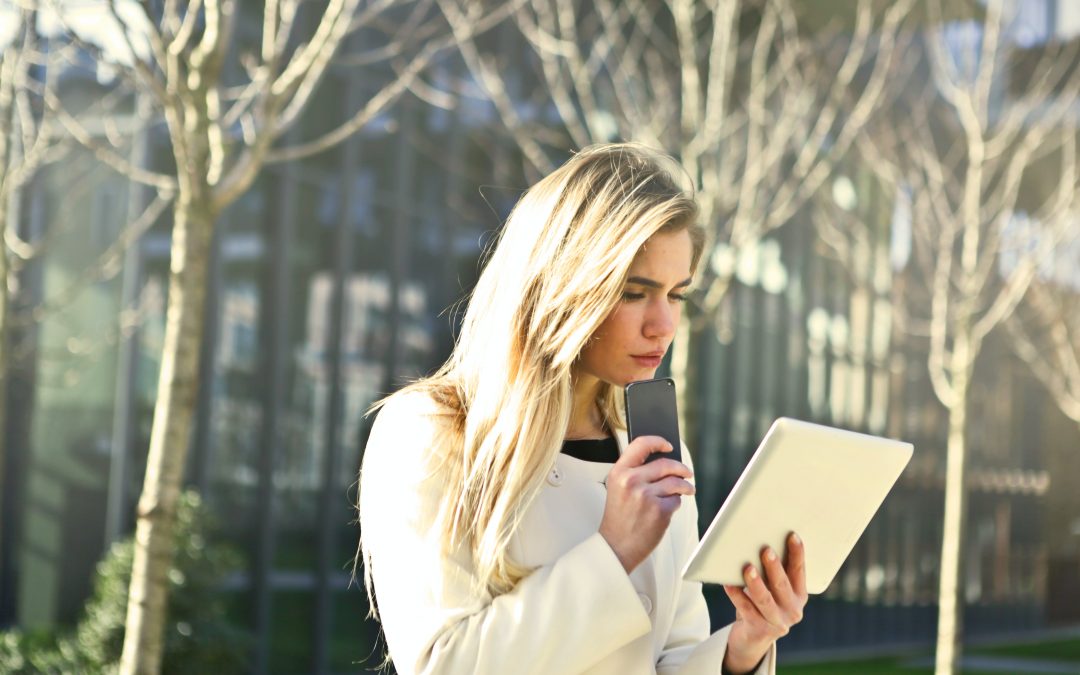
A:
(650, 360)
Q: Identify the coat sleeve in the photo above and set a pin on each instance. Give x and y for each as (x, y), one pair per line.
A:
(689, 649)
(562, 618)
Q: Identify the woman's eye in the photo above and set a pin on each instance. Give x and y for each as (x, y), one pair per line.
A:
(627, 295)
(677, 298)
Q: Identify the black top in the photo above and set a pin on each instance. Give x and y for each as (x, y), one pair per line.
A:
(593, 449)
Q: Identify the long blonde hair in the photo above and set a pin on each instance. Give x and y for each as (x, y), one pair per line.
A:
(506, 392)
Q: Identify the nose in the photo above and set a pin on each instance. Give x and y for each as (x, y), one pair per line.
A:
(660, 319)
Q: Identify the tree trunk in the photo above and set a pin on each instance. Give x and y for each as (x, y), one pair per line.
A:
(950, 597)
(171, 432)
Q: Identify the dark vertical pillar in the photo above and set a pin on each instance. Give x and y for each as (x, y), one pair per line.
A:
(274, 317)
(400, 242)
(795, 395)
(729, 353)
(328, 519)
(274, 324)
(710, 454)
(820, 298)
(748, 324)
(770, 365)
(454, 191)
(870, 365)
(331, 515)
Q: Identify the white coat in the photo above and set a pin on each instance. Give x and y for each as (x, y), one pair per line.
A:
(578, 612)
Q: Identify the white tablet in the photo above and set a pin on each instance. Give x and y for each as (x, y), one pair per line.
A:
(823, 483)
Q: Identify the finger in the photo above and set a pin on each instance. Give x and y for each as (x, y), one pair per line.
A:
(672, 485)
(643, 446)
(790, 604)
(742, 603)
(656, 470)
(763, 599)
(670, 504)
(796, 565)
(779, 584)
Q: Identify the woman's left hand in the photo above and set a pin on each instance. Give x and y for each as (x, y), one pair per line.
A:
(766, 609)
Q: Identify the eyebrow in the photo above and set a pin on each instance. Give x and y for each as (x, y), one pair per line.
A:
(645, 281)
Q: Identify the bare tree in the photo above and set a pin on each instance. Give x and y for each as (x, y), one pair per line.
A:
(225, 121)
(37, 132)
(1045, 333)
(757, 108)
(183, 69)
(959, 155)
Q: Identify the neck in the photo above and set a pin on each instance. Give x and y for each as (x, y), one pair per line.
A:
(585, 419)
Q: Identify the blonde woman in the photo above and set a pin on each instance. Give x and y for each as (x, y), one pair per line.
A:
(507, 526)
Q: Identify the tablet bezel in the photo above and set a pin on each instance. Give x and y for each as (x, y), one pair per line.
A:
(824, 474)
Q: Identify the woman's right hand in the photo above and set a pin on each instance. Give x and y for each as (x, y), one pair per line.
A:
(641, 499)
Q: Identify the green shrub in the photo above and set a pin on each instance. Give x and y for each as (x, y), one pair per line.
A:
(40, 652)
(198, 639)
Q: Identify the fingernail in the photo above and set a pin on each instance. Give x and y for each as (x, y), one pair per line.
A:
(752, 573)
(769, 555)
(795, 538)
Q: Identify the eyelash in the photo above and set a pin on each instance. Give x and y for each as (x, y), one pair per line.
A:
(638, 296)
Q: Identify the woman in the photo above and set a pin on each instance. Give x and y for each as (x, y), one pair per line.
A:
(488, 546)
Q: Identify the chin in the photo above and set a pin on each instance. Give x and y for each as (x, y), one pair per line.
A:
(618, 379)
(637, 377)
(621, 379)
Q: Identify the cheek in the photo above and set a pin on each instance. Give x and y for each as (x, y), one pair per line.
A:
(607, 338)
(621, 327)
(599, 344)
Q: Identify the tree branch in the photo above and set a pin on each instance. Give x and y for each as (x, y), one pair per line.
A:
(108, 263)
(1065, 389)
(103, 153)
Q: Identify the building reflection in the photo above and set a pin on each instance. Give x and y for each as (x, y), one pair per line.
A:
(328, 290)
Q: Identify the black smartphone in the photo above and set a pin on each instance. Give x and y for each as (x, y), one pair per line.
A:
(650, 411)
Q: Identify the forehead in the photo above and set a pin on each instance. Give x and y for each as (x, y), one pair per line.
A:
(665, 254)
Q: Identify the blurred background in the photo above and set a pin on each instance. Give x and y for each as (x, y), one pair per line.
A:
(890, 191)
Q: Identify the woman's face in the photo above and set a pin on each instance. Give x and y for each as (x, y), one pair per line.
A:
(631, 341)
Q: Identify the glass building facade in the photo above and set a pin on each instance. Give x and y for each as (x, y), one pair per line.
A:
(334, 280)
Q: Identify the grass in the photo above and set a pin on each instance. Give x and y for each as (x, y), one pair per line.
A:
(1056, 650)
(887, 666)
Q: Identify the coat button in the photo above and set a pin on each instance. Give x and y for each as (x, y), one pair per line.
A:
(555, 477)
(646, 602)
